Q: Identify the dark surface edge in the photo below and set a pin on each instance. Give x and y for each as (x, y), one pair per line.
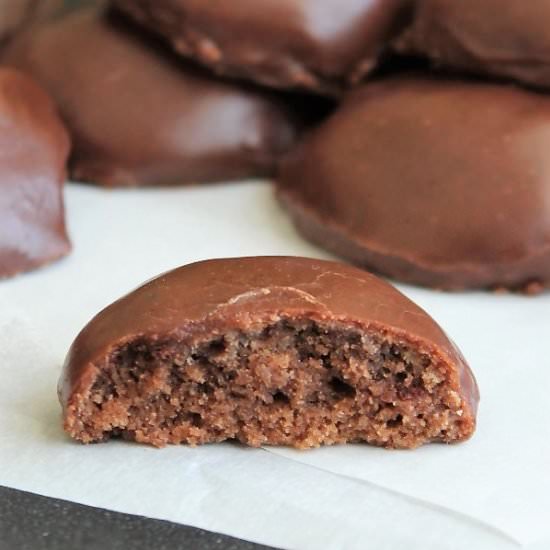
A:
(33, 522)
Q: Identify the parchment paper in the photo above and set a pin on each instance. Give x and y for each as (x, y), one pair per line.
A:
(492, 492)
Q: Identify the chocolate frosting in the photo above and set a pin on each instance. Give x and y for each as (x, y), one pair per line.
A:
(506, 38)
(210, 296)
(435, 182)
(317, 45)
(140, 116)
(35, 147)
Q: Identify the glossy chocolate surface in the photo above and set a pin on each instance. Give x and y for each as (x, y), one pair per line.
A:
(214, 295)
(140, 116)
(320, 45)
(34, 148)
(435, 182)
(505, 38)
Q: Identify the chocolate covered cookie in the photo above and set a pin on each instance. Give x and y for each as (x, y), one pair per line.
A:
(268, 351)
(504, 38)
(34, 148)
(440, 183)
(318, 45)
(139, 116)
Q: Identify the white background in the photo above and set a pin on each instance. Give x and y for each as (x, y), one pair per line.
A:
(492, 492)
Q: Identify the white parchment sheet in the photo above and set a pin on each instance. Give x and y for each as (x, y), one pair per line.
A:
(492, 492)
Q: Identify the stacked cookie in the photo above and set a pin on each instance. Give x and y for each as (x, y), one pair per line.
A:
(318, 45)
(441, 177)
(140, 116)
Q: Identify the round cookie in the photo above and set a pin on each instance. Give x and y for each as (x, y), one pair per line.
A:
(318, 45)
(269, 351)
(440, 183)
(140, 116)
(505, 38)
(35, 147)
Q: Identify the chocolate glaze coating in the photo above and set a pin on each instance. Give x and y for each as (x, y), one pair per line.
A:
(318, 45)
(34, 148)
(139, 116)
(505, 38)
(438, 183)
(212, 296)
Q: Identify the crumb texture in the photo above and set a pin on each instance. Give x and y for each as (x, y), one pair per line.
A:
(292, 382)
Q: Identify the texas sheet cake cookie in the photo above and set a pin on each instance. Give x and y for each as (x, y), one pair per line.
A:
(34, 147)
(499, 38)
(268, 351)
(442, 183)
(318, 45)
(140, 116)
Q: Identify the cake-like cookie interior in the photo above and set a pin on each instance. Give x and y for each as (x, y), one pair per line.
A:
(287, 381)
